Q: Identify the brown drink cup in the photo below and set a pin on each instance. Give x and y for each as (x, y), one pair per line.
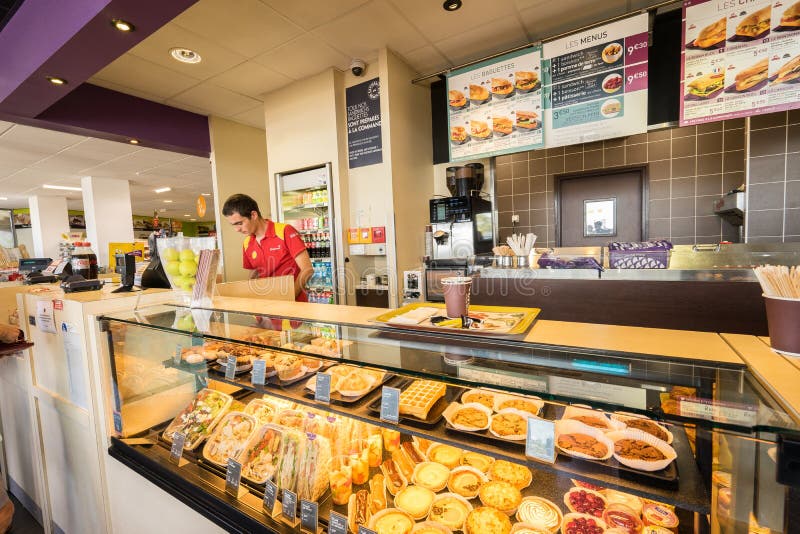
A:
(456, 295)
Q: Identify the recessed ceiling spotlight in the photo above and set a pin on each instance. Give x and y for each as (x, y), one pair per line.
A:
(167, 202)
(62, 187)
(186, 215)
(56, 81)
(163, 190)
(451, 5)
(133, 142)
(206, 194)
(192, 219)
(3, 198)
(122, 25)
(184, 55)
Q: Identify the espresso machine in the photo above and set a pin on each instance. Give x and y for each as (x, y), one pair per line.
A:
(462, 224)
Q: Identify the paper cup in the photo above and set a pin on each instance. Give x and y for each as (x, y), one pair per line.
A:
(783, 321)
(570, 426)
(456, 295)
(643, 465)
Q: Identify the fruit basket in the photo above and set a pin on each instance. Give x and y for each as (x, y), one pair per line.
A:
(179, 257)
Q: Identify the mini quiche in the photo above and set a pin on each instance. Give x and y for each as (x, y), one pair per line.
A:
(501, 496)
(487, 520)
(517, 475)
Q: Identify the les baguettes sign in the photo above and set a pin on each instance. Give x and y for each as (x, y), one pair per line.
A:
(495, 107)
(589, 86)
(740, 58)
(596, 83)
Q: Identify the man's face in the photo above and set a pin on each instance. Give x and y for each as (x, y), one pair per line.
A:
(243, 225)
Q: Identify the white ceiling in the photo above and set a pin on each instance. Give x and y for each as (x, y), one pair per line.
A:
(31, 157)
(252, 47)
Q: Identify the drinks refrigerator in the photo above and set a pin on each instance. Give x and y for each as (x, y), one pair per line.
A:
(305, 200)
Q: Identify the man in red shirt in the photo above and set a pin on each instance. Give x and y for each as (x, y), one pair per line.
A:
(270, 248)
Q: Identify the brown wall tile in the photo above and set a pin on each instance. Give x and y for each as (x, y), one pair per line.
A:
(504, 187)
(537, 167)
(521, 186)
(709, 143)
(705, 206)
(767, 169)
(708, 226)
(733, 124)
(683, 132)
(734, 140)
(555, 164)
(538, 184)
(505, 204)
(660, 170)
(597, 145)
(682, 207)
(636, 139)
(682, 227)
(614, 157)
(573, 162)
(593, 159)
(538, 217)
(636, 153)
(659, 209)
(683, 187)
(537, 154)
(538, 201)
(658, 150)
(794, 116)
(732, 180)
(519, 169)
(502, 172)
(503, 159)
(659, 189)
(793, 139)
(733, 161)
(573, 149)
(764, 223)
(558, 151)
(710, 184)
(793, 194)
(658, 229)
(524, 218)
(659, 135)
(768, 121)
(768, 141)
(684, 146)
(521, 202)
(683, 167)
(519, 156)
(709, 163)
(766, 196)
(793, 222)
(709, 127)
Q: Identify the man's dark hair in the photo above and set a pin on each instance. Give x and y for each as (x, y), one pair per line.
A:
(241, 204)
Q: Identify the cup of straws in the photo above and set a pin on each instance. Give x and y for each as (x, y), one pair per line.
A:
(781, 286)
(522, 245)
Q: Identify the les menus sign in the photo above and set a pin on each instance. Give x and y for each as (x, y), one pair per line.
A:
(740, 58)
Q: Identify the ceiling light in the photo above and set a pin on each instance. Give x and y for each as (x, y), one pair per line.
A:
(167, 202)
(3, 198)
(186, 215)
(184, 55)
(163, 190)
(123, 25)
(451, 5)
(192, 219)
(133, 142)
(206, 194)
(56, 81)
(62, 187)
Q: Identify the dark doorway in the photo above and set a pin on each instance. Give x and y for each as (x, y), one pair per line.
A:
(596, 207)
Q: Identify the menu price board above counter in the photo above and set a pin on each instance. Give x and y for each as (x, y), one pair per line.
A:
(495, 107)
(739, 58)
(596, 83)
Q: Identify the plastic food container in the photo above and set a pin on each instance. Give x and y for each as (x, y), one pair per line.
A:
(230, 437)
(261, 455)
(179, 256)
(195, 416)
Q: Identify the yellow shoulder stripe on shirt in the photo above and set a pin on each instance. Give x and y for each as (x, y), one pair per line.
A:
(280, 229)
(246, 242)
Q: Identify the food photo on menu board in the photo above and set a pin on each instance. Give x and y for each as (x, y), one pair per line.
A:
(739, 59)
(596, 83)
(495, 107)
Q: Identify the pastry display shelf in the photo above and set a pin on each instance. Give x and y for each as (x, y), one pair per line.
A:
(690, 494)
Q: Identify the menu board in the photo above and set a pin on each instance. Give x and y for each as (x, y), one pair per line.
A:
(495, 107)
(740, 58)
(596, 83)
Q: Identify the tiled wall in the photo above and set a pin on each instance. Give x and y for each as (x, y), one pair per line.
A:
(774, 193)
(688, 168)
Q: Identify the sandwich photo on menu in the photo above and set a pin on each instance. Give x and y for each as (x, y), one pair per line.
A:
(706, 86)
(711, 35)
(791, 17)
(755, 24)
(502, 125)
(525, 80)
(527, 120)
(478, 94)
(479, 130)
(789, 72)
(456, 99)
(753, 75)
(502, 87)
(458, 135)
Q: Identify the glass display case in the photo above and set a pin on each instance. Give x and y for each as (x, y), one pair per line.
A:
(493, 435)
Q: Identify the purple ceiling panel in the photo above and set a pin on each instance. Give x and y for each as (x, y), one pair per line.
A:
(98, 112)
(71, 40)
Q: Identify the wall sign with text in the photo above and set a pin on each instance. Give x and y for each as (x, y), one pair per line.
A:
(596, 83)
(364, 142)
(495, 107)
(739, 59)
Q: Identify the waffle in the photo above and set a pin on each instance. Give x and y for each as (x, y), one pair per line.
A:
(418, 398)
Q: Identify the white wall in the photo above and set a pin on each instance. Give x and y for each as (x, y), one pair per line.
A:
(239, 165)
(49, 219)
(107, 210)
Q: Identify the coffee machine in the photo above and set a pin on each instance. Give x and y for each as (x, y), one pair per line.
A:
(462, 224)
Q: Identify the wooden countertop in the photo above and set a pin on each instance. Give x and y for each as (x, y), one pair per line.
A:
(703, 346)
(779, 374)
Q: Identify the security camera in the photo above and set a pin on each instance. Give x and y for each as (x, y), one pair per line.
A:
(357, 66)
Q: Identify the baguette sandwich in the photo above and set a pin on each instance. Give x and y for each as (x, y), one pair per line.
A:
(791, 17)
(705, 86)
(755, 23)
(752, 76)
(711, 34)
(789, 71)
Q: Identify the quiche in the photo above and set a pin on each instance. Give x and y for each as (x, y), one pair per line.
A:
(431, 475)
(517, 475)
(465, 481)
(477, 460)
(450, 510)
(444, 454)
(391, 521)
(416, 500)
(501, 496)
(487, 520)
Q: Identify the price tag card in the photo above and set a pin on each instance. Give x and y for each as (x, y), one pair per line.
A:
(176, 452)
(364, 530)
(259, 376)
(289, 506)
(322, 392)
(270, 496)
(390, 404)
(176, 358)
(540, 441)
(337, 523)
(232, 477)
(230, 368)
(309, 516)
